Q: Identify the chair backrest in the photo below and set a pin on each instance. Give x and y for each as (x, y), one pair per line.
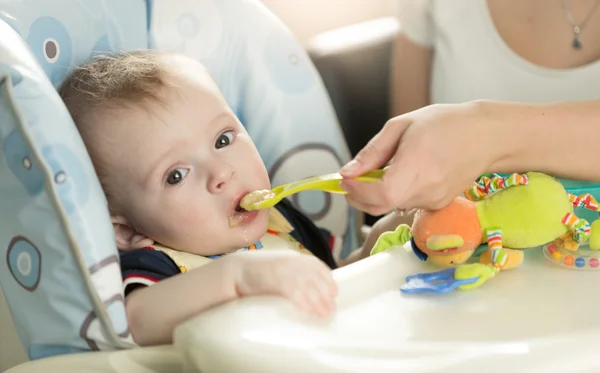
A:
(61, 274)
(354, 62)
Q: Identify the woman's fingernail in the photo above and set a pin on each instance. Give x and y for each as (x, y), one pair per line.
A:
(350, 167)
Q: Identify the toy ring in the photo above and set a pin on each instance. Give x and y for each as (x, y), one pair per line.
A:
(582, 258)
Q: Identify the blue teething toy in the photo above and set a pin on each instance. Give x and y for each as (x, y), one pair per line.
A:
(440, 282)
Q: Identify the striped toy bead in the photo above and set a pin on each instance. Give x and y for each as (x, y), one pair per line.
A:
(580, 227)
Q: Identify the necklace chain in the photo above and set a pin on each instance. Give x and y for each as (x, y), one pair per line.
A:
(578, 28)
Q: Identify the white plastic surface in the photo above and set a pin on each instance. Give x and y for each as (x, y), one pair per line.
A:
(161, 359)
(538, 318)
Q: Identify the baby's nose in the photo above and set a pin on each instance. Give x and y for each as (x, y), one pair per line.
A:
(219, 179)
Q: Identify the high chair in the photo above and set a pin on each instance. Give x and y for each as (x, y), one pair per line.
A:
(59, 269)
(60, 274)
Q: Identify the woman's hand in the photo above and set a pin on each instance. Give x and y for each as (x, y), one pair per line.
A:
(434, 154)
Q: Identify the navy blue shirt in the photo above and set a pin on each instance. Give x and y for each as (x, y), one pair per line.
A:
(143, 267)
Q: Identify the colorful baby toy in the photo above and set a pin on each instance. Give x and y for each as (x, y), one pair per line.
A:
(510, 214)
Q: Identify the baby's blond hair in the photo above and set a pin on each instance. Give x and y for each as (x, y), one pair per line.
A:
(127, 78)
(110, 83)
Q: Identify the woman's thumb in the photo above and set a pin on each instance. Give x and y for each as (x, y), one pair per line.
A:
(379, 150)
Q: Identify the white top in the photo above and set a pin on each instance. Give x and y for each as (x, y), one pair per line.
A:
(472, 61)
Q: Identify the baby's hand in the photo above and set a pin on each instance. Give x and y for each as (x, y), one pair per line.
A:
(303, 279)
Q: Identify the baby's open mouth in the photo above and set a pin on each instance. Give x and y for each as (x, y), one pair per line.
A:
(241, 216)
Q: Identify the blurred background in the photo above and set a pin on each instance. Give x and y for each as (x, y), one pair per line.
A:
(350, 43)
(308, 18)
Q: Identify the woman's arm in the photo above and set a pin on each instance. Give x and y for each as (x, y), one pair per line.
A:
(562, 139)
(439, 150)
(411, 68)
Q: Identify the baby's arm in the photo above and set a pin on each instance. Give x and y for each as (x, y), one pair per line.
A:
(153, 312)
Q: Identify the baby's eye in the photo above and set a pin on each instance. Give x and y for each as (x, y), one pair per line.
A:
(224, 139)
(176, 176)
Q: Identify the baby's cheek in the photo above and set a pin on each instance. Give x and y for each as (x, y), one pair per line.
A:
(199, 219)
(263, 182)
(196, 232)
(254, 165)
(177, 221)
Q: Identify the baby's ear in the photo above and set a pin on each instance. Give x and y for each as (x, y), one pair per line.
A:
(127, 237)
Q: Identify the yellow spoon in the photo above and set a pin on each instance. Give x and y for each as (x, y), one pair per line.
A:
(262, 199)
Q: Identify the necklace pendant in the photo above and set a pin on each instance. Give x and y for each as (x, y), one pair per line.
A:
(576, 43)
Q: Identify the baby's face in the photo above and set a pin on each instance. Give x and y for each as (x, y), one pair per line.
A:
(177, 172)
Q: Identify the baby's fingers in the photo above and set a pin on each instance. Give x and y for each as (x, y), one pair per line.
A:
(320, 306)
(313, 302)
(326, 277)
(312, 296)
(300, 298)
(321, 294)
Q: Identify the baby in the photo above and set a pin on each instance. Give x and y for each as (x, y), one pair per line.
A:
(174, 163)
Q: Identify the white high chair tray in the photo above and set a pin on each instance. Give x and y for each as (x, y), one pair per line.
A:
(540, 317)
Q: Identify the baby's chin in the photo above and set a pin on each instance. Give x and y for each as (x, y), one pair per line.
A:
(258, 228)
(236, 238)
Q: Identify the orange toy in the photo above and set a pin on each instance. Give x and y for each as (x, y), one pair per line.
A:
(509, 213)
